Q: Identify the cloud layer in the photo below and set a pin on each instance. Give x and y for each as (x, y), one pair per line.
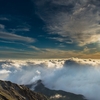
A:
(80, 76)
(75, 21)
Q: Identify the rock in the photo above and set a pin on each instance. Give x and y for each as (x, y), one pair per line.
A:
(12, 91)
(55, 94)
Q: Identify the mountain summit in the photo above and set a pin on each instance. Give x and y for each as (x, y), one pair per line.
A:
(54, 94)
(12, 91)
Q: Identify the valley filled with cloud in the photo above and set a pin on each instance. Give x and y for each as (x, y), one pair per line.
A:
(79, 76)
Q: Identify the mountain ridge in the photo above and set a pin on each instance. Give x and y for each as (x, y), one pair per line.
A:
(12, 91)
(55, 94)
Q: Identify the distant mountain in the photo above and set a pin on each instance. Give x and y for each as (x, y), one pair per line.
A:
(11, 91)
(55, 94)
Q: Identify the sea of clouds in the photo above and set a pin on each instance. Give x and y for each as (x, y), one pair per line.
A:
(79, 76)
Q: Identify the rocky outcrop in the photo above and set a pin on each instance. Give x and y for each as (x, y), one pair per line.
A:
(55, 94)
(11, 91)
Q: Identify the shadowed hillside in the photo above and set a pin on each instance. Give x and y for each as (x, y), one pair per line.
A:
(55, 94)
(11, 91)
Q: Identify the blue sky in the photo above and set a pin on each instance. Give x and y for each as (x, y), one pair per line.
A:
(49, 29)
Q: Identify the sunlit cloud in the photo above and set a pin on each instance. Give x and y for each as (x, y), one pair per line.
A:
(57, 96)
(75, 21)
(40, 53)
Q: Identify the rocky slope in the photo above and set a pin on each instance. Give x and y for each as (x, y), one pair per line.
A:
(55, 94)
(11, 91)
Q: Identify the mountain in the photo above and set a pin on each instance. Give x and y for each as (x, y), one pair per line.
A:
(55, 94)
(12, 91)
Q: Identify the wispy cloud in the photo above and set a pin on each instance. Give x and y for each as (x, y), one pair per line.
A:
(4, 48)
(15, 37)
(40, 53)
(34, 47)
(11, 42)
(62, 39)
(20, 29)
(74, 19)
(4, 19)
(11, 35)
(2, 26)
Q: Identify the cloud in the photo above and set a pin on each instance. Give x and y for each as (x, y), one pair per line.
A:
(4, 19)
(12, 42)
(26, 69)
(62, 39)
(15, 37)
(74, 20)
(20, 29)
(43, 53)
(11, 34)
(2, 26)
(80, 76)
(57, 96)
(4, 72)
(33, 47)
(10, 49)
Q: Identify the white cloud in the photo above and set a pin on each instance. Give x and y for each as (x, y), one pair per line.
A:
(57, 96)
(80, 76)
(4, 72)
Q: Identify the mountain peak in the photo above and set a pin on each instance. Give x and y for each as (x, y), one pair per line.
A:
(12, 91)
(55, 94)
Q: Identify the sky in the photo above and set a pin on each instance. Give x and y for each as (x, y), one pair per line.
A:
(49, 29)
